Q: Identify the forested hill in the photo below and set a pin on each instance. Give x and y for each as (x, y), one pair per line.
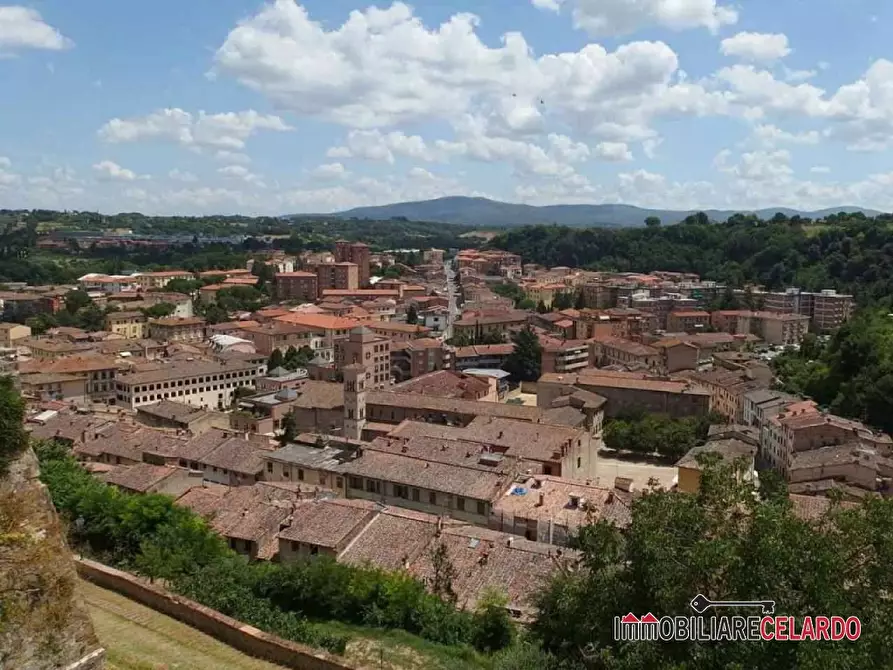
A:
(852, 253)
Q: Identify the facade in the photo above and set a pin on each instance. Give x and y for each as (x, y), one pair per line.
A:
(356, 378)
(269, 337)
(297, 286)
(176, 329)
(12, 333)
(418, 357)
(339, 276)
(827, 309)
(154, 280)
(491, 356)
(131, 325)
(198, 383)
(475, 324)
(687, 321)
(775, 329)
(364, 347)
(607, 350)
(567, 356)
(356, 253)
(97, 373)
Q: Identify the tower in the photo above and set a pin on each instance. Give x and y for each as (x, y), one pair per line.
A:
(355, 385)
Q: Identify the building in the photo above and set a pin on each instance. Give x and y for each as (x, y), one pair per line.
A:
(131, 325)
(855, 468)
(324, 528)
(727, 389)
(205, 384)
(364, 347)
(676, 355)
(688, 468)
(148, 281)
(276, 335)
(450, 384)
(52, 386)
(356, 253)
(775, 329)
(148, 478)
(297, 286)
(474, 325)
(339, 276)
(95, 375)
(565, 356)
(176, 329)
(326, 329)
(687, 321)
(180, 417)
(279, 379)
(417, 357)
(481, 356)
(627, 392)
(827, 309)
(606, 350)
(11, 334)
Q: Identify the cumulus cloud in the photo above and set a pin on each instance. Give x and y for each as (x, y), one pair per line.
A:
(621, 17)
(111, 171)
(242, 173)
(613, 151)
(181, 175)
(330, 171)
(24, 28)
(227, 131)
(756, 47)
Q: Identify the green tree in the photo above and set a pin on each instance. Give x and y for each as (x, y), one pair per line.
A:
(159, 310)
(580, 300)
(276, 360)
(492, 624)
(214, 313)
(77, 300)
(726, 544)
(541, 308)
(563, 300)
(443, 574)
(525, 361)
(652, 222)
(412, 314)
(13, 438)
(289, 429)
(185, 286)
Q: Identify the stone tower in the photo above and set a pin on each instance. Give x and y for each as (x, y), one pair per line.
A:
(355, 386)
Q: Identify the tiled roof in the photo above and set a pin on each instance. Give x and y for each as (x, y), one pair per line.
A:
(323, 321)
(391, 540)
(444, 384)
(140, 477)
(172, 411)
(453, 405)
(729, 449)
(236, 454)
(327, 523)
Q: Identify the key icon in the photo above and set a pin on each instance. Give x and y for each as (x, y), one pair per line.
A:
(701, 603)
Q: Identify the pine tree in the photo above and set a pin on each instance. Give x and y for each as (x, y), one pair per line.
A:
(525, 361)
(276, 360)
(412, 315)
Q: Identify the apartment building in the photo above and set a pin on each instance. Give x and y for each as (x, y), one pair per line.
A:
(417, 357)
(340, 276)
(268, 337)
(176, 329)
(827, 309)
(328, 329)
(476, 324)
(565, 356)
(92, 377)
(364, 347)
(675, 355)
(687, 321)
(488, 356)
(727, 391)
(11, 334)
(155, 280)
(356, 253)
(607, 350)
(94, 282)
(131, 325)
(398, 332)
(661, 306)
(297, 286)
(205, 384)
(775, 329)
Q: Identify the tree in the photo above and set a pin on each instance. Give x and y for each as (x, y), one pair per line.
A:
(289, 429)
(492, 625)
(77, 300)
(443, 574)
(652, 222)
(563, 300)
(214, 313)
(726, 544)
(580, 301)
(541, 308)
(412, 314)
(525, 361)
(159, 310)
(13, 438)
(241, 392)
(185, 286)
(276, 360)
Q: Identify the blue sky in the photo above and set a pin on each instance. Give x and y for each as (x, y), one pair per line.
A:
(235, 106)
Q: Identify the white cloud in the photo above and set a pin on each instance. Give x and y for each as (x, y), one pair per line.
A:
(820, 169)
(226, 131)
(384, 67)
(649, 146)
(242, 173)
(180, 175)
(549, 5)
(24, 28)
(5, 162)
(613, 151)
(111, 171)
(798, 75)
(621, 17)
(330, 171)
(771, 136)
(756, 47)
(232, 157)
(377, 146)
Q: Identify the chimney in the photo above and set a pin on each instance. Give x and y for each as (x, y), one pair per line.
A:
(542, 500)
(500, 435)
(574, 500)
(509, 541)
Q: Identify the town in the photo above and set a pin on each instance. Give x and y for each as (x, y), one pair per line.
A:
(364, 418)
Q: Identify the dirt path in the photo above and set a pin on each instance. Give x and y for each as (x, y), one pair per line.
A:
(139, 638)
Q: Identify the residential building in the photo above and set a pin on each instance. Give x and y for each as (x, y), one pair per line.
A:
(397, 332)
(775, 329)
(356, 253)
(205, 384)
(48, 348)
(855, 467)
(607, 350)
(277, 335)
(52, 385)
(176, 329)
(676, 355)
(417, 357)
(727, 389)
(297, 286)
(97, 375)
(181, 417)
(328, 328)
(827, 309)
(731, 450)
(155, 280)
(687, 321)
(148, 478)
(131, 325)
(95, 283)
(433, 256)
(474, 325)
(11, 334)
(565, 356)
(628, 392)
(279, 379)
(343, 276)
(364, 347)
(324, 528)
(449, 384)
(481, 356)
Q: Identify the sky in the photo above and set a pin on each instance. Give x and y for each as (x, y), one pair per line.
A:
(238, 106)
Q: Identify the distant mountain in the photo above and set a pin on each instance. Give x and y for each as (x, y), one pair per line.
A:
(484, 212)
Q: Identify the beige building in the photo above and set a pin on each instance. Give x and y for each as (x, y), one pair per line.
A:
(132, 325)
(155, 280)
(368, 349)
(176, 329)
(97, 375)
(775, 329)
(11, 334)
(607, 350)
(688, 468)
(198, 383)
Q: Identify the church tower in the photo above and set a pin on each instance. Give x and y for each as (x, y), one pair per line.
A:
(355, 385)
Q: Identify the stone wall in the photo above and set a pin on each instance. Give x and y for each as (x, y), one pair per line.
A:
(243, 637)
(43, 624)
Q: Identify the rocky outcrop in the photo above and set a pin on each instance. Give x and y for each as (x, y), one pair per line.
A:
(42, 622)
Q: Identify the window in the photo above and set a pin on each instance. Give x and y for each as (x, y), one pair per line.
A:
(401, 491)
(295, 545)
(371, 485)
(355, 483)
(314, 550)
(460, 503)
(339, 482)
(269, 467)
(482, 507)
(579, 462)
(300, 474)
(415, 495)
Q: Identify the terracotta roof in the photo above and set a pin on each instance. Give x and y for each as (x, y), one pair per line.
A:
(178, 321)
(323, 321)
(444, 384)
(391, 539)
(484, 350)
(628, 346)
(172, 411)
(141, 477)
(453, 405)
(238, 455)
(728, 449)
(813, 507)
(328, 523)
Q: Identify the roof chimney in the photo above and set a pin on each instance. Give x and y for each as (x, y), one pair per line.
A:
(542, 500)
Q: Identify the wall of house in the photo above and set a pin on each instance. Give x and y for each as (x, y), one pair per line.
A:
(444, 503)
(243, 637)
(688, 480)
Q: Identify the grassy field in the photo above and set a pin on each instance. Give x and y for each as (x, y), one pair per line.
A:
(139, 638)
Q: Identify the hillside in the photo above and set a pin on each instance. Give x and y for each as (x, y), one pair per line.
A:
(481, 211)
